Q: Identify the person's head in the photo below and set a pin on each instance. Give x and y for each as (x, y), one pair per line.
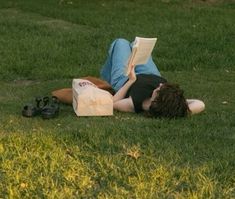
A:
(168, 101)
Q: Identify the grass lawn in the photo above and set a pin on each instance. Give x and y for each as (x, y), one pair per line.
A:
(44, 44)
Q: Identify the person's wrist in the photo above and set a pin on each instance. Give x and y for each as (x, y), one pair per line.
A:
(132, 80)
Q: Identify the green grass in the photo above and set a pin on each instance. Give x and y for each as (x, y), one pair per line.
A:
(44, 44)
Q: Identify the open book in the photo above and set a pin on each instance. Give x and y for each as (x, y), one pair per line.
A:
(141, 51)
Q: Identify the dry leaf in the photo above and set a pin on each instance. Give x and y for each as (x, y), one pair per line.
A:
(23, 185)
(134, 152)
(224, 102)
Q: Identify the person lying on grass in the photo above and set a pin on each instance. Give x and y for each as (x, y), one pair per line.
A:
(144, 90)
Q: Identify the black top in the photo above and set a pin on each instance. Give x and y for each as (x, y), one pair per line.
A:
(143, 88)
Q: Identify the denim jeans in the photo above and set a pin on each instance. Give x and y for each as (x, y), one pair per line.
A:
(113, 71)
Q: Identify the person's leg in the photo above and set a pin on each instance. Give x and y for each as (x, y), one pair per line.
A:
(114, 68)
(148, 68)
(105, 71)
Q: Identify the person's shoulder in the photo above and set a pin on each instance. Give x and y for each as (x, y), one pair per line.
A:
(151, 77)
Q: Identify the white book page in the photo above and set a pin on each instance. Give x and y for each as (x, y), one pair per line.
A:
(141, 52)
(144, 50)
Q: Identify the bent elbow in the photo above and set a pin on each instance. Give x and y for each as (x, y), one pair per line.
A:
(196, 106)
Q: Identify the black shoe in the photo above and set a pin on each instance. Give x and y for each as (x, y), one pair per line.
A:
(51, 109)
(30, 110)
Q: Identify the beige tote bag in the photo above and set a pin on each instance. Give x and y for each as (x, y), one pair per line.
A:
(89, 100)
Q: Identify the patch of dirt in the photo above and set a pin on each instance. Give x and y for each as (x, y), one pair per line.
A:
(64, 25)
(38, 19)
(25, 82)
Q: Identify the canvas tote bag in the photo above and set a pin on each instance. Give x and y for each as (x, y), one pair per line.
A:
(89, 100)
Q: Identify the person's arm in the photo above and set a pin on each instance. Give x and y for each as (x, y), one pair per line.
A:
(124, 105)
(122, 91)
(195, 106)
(121, 103)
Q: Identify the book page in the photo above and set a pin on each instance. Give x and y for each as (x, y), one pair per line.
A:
(141, 52)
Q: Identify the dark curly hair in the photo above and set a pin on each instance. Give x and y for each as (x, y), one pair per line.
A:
(169, 102)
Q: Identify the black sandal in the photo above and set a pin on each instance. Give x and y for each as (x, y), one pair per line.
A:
(51, 108)
(31, 110)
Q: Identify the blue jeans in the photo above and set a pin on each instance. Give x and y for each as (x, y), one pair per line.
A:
(113, 71)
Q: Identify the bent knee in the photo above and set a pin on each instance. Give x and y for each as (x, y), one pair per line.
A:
(121, 42)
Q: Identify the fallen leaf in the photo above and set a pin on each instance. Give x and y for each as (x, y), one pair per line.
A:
(23, 185)
(134, 152)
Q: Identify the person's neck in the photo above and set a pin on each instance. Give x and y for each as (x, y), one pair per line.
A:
(146, 104)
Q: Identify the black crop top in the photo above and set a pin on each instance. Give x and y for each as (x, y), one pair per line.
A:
(143, 88)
